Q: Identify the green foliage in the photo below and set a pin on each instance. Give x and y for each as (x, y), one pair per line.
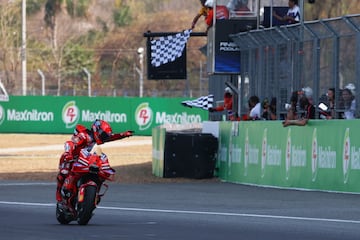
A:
(90, 39)
(122, 16)
(38, 54)
(122, 72)
(76, 57)
(10, 37)
(9, 17)
(103, 24)
(77, 8)
(34, 6)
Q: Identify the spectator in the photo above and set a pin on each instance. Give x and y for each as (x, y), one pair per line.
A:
(272, 109)
(328, 111)
(239, 7)
(293, 14)
(255, 108)
(228, 103)
(265, 109)
(292, 107)
(331, 97)
(331, 103)
(269, 109)
(309, 113)
(308, 93)
(348, 95)
(307, 107)
(210, 15)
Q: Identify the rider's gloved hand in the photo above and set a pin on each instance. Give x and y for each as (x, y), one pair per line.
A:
(67, 157)
(128, 133)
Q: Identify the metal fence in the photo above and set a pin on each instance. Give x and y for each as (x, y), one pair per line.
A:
(278, 61)
(115, 75)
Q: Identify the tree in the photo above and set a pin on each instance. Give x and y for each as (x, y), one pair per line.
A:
(330, 9)
(10, 42)
(121, 14)
(53, 10)
(76, 58)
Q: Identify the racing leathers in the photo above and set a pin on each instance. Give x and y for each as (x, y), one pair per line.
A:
(82, 138)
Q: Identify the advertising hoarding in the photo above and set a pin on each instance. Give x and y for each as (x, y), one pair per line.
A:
(52, 114)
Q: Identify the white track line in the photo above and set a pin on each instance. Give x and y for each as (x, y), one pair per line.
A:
(60, 147)
(246, 215)
(27, 184)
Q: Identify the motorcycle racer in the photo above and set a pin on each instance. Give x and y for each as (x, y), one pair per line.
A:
(82, 138)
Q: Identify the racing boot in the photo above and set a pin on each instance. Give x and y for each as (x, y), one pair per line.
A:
(67, 201)
(64, 169)
(68, 193)
(60, 181)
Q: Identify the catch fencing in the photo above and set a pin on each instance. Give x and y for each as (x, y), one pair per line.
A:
(319, 54)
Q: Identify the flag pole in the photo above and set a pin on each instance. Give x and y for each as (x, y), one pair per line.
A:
(23, 48)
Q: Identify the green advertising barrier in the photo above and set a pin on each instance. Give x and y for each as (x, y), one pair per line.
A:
(51, 114)
(323, 155)
(158, 148)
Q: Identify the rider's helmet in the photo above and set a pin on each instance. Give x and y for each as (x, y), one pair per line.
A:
(102, 131)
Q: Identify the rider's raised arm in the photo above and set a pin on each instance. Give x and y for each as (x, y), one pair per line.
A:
(117, 136)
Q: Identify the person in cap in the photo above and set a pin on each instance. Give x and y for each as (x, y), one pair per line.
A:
(348, 95)
(203, 12)
(227, 105)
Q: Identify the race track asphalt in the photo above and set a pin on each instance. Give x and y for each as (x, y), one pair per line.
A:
(194, 210)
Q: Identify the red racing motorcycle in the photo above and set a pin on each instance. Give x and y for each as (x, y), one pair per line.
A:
(92, 169)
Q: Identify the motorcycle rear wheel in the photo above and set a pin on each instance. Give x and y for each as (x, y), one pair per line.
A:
(86, 208)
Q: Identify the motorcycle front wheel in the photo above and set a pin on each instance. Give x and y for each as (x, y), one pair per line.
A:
(85, 209)
(61, 216)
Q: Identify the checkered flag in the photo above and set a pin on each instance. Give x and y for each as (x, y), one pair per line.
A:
(204, 102)
(167, 49)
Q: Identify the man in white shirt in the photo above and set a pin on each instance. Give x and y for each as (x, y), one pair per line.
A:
(293, 14)
(255, 108)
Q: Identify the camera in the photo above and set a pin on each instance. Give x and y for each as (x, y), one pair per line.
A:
(323, 107)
